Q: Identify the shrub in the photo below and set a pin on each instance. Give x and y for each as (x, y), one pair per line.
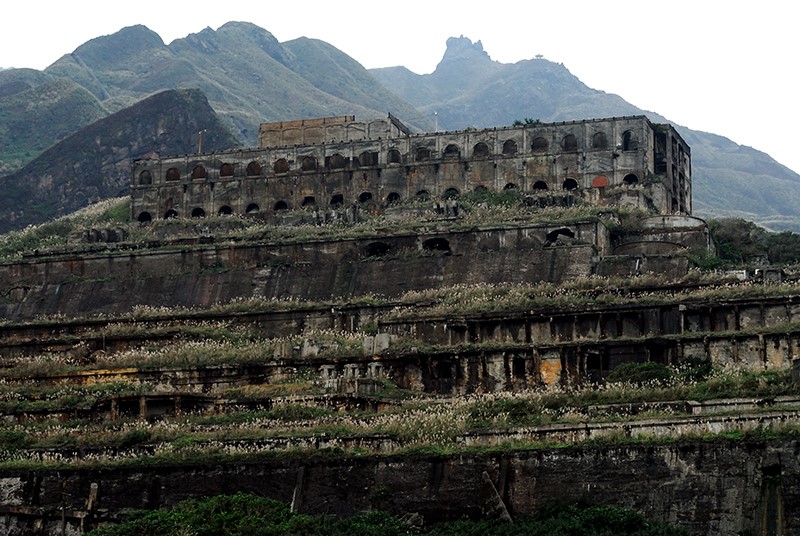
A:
(695, 369)
(640, 373)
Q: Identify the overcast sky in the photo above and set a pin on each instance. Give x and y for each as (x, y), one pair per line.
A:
(725, 67)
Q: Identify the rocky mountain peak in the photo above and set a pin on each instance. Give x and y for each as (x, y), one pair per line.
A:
(463, 49)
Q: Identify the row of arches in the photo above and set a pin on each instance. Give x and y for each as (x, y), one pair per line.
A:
(197, 212)
(337, 200)
(337, 161)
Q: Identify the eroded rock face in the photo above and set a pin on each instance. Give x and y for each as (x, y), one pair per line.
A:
(708, 488)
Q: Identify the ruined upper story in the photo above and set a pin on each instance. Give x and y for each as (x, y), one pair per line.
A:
(339, 161)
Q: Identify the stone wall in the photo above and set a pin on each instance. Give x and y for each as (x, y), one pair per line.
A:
(390, 266)
(711, 488)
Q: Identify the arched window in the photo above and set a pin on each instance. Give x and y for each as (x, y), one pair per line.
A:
(599, 140)
(252, 208)
(281, 165)
(423, 195)
(173, 174)
(281, 205)
(199, 172)
(394, 157)
(198, 213)
(226, 170)
(337, 161)
(481, 150)
(225, 210)
(308, 163)
(481, 188)
(337, 200)
(450, 193)
(422, 154)
(254, 169)
(309, 202)
(452, 151)
(570, 184)
(510, 186)
(368, 158)
(569, 144)
(540, 185)
(144, 217)
(630, 179)
(145, 178)
(365, 197)
(392, 198)
(629, 141)
(171, 213)
(510, 147)
(539, 145)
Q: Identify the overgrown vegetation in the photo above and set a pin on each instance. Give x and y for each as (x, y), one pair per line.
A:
(420, 424)
(244, 514)
(742, 242)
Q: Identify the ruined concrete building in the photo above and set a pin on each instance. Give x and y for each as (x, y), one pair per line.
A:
(333, 162)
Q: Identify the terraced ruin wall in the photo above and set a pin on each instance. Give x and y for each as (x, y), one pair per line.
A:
(458, 354)
(712, 488)
(202, 276)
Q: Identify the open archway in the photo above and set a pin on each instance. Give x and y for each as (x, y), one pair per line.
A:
(570, 184)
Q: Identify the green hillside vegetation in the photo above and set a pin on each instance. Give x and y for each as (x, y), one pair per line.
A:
(38, 110)
(243, 514)
(94, 163)
(247, 75)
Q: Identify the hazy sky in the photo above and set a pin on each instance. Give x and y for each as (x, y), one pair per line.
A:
(719, 66)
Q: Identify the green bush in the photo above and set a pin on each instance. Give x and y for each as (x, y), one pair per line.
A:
(695, 369)
(640, 373)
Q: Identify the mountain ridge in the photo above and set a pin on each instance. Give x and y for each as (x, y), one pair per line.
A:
(249, 77)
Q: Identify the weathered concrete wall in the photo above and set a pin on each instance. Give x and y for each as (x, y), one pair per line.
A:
(715, 488)
(389, 266)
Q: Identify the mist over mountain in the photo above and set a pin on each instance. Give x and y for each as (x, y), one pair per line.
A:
(249, 77)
